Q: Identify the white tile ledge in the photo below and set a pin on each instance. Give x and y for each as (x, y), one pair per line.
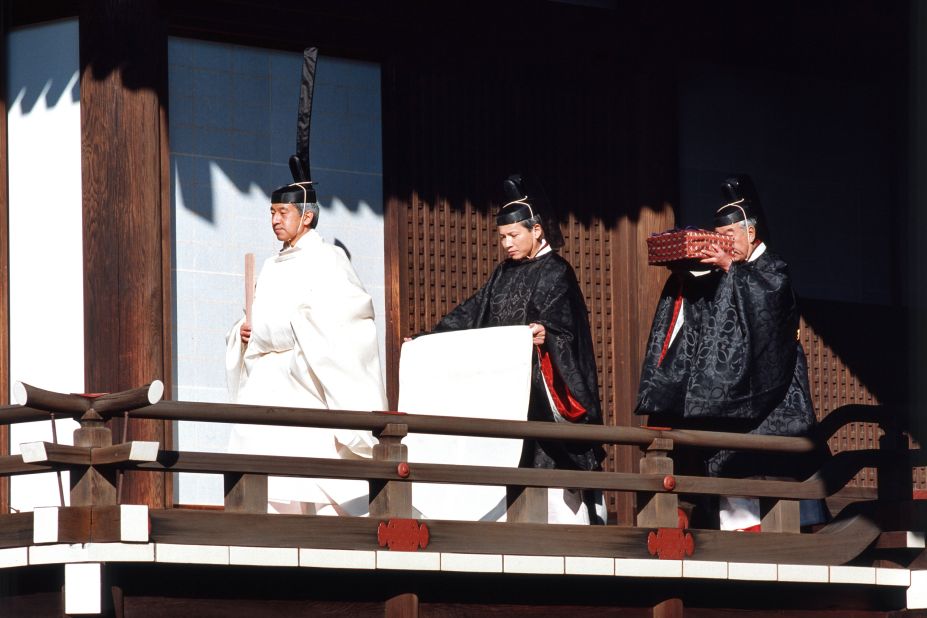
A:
(452, 562)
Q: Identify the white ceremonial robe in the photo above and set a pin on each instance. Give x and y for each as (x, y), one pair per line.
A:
(313, 345)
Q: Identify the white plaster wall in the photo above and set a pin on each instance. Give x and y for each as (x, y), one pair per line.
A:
(46, 265)
(232, 130)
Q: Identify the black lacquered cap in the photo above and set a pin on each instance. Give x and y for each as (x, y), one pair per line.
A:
(741, 202)
(513, 212)
(296, 193)
(525, 200)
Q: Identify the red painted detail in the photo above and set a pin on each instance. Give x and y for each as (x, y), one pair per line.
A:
(402, 535)
(567, 405)
(90, 395)
(669, 482)
(403, 469)
(393, 412)
(677, 305)
(656, 428)
(670, 544)
(424, 536)
(755, 528)
(920, 494)
(682, 519)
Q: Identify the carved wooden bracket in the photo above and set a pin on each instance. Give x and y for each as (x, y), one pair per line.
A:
(670, 544)
(402, 535)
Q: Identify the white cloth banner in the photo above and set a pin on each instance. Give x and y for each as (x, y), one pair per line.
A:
(480, 373)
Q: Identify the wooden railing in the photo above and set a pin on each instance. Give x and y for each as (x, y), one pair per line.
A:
(96, 465)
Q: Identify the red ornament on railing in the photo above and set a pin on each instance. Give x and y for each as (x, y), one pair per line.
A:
(670, 544)
(402, 535)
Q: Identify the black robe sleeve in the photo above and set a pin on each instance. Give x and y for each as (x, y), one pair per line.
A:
(745, 356)
(734, 366)
(560, 307)
(735, 354)
(468, 314)
(543, 290)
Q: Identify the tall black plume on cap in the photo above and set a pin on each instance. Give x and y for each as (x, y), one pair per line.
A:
(739, 187)
(529, 191)
(299, 162)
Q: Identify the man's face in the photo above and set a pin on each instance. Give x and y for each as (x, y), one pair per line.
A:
(743, 239)
(287, 221)
(518, 241)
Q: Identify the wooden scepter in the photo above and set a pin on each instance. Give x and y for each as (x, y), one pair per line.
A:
(249, 286)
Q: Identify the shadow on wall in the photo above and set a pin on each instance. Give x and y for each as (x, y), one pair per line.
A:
(196, 174)
(234, 110)
(868, 339)
(42, 74)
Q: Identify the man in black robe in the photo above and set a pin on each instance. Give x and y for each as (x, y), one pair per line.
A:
(537, 287)
(723, 354)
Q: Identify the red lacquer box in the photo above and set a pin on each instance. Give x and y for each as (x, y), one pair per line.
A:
(683, 245)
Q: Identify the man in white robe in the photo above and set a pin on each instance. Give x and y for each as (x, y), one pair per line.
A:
(312, 343)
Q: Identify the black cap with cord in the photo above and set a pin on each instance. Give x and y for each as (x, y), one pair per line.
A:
(741, 202)
(526, 199)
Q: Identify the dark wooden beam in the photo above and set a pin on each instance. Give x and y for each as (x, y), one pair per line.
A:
(123, 60)
(4, 254)
(24, 13)
(838, 543)
(16, 530)
(13, 465)
(387, 472)
(431, 424)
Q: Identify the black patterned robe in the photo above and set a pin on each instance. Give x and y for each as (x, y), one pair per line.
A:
(542, 290)
(735, 365)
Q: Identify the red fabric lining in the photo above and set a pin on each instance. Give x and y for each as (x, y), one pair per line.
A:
(669, 332)
(567, 406)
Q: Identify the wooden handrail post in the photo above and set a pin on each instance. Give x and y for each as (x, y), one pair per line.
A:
(658, 510)
(92, 485)
(780, 516)
(894, 470)
(526, 504)
(245, 493)
(391, 498)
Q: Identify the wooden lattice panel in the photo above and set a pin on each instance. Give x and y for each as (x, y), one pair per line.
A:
(834, 384)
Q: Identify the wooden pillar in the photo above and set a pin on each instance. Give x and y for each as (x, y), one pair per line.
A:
(123, 60)
(4, 258)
